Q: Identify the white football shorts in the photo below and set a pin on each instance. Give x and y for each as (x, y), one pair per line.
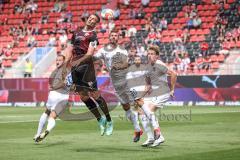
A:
(57, 101)
(158, 101)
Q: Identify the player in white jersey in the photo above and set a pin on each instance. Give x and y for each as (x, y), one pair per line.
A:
(57, 99)
(116, 60)
(158, 93)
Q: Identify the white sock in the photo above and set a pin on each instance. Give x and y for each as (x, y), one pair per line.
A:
(51, 124)
(42, 122)
(147, 111)
(151, 116)
(128, 114)
(146, 127)
(154, 121)
(133, 117)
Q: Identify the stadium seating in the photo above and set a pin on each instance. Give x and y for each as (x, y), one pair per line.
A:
(173, 10)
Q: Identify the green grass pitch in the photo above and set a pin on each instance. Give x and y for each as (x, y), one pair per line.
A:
(210, 133)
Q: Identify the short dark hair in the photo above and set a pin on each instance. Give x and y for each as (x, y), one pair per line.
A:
(155, 49)
(60, 55)
(98, 18)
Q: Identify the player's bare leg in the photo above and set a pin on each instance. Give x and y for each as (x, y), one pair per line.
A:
(91, 105)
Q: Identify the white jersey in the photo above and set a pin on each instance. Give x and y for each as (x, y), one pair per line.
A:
(116, 61)
(113, 58)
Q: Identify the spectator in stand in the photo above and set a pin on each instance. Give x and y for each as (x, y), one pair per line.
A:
(123, 31)
(235, 35)
(31, 7)
(131, 55)
(28, 68)
(52, 41)
(31, 42)
(59, 6)
(132, 31)
(238, 31)
(177, 63)
(140, 13)
(17, 8)
(185, 63)
(141, 50)
(103, 26)
(199, 62)
(44, 18)
(111, 25)
(125, 2)
(190, 23)
(63, 40)
(207, 63)
(218, 21)
(204, 48)
(194, 11)
(197, 22)
(225, 48)
(85, 15)
(27, 19)
(186, 35)
(152, 38)
(163, 23)
(221, 10)
(62, 18)
(2, 70)
(36, 29)
(178, 37)
(132, 14)
(69, 16)
(179, 49)
(145, 3)
(155, 22)
(187, 10)
(228, 36)
(116, 14)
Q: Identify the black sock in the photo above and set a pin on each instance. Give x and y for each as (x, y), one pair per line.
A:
(93, 108)
(103, 105)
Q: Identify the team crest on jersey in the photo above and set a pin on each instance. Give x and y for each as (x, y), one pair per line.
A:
(90, 84)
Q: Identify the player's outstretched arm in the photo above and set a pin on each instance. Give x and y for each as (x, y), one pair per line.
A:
(88, 55)
(173, 79)
(68, 53)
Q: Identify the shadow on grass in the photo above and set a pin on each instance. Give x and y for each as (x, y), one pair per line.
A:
(116, 149)
(45, 145)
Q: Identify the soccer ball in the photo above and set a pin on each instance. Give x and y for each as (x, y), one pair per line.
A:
(107, 14)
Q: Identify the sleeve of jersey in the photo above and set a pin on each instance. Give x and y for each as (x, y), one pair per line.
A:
(162, 67)
(98, 55)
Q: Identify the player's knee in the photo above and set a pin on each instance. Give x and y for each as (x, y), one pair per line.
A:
(84, 96)
(126, 107)
(139, 102)
(47, 111)
(53, 114)
(95, 94)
